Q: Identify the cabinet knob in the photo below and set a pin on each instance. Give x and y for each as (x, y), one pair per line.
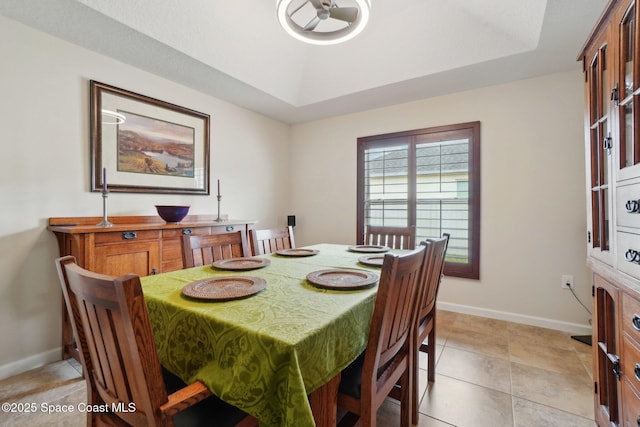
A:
(129, 235)
(635, 321)
(154, 271)
(187, 231)
(230, 228)
(633, 206)
(636, 371)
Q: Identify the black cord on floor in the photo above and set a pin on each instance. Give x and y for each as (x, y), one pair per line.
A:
(578, 299)
(586, 339)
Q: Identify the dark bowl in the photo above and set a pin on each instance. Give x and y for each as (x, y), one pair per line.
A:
(172, 213)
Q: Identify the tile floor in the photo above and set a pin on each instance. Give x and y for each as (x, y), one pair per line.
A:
(489, 373)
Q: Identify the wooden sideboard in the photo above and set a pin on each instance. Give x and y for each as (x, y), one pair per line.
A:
(141, 245)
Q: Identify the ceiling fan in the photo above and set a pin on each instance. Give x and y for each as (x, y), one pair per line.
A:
(323, 21)
(326, 9)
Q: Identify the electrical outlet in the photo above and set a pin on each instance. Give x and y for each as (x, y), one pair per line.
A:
(567, 281)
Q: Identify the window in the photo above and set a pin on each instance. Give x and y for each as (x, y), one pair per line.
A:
(429, 178)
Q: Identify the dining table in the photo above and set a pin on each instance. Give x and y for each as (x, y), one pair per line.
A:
(276, 353)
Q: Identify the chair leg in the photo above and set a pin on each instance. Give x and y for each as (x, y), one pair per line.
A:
(431, 355)
(406, 400)
(415, 380)
(368, 411)
(368, 420)
(348, 420)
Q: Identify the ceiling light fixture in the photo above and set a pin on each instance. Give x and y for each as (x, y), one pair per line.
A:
(323, 22)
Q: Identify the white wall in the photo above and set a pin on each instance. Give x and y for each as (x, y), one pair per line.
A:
(44, 140)
(533, 192)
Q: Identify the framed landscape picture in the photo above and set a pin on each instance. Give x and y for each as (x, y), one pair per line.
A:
(143, 145)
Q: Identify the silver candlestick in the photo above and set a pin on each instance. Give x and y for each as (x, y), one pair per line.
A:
(105, 222)
(218, 219)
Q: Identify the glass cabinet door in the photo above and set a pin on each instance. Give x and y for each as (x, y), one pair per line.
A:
(600, 144)
(627, 94)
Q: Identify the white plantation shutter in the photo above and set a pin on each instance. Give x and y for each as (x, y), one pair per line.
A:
(429, 178)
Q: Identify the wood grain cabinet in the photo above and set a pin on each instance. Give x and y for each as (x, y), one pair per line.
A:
(606, 350)
(630, 369)
(142, 245)
(612, 134)
(133, 251)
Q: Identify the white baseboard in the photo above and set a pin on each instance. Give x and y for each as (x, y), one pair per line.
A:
(31, 362)
(572, 328)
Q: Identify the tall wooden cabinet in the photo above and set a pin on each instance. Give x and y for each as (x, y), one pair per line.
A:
(142, 245)
(611, 63)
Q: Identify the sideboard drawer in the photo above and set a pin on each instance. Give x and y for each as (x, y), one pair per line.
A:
(126, 236)
(177, 233)
(631, 317)
(631, 362)
(628, 253)
(631, 406)
(628, 205)
(228, 228)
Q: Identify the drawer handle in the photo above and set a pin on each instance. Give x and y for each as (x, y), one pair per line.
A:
(633, 206)
(636, 321)
(636, 371)
(230, 228)
(187, 231)
(632, 256)
(130, 235)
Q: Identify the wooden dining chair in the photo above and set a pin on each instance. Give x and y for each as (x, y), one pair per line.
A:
(111, 324)
(205, 249)
(393, 237)
(426, 313)
(271, 240)
(388, 357)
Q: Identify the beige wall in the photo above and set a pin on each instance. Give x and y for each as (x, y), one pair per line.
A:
(532, 182)
(44, 138)
(533, 192)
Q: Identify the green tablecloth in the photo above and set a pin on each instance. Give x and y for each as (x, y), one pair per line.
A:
(266, 353)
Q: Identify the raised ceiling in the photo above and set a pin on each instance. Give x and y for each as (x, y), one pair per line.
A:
(411, 49)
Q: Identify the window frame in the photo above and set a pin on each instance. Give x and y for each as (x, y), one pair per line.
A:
(471, 130)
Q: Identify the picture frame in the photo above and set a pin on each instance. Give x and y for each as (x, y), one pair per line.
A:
(141, 144)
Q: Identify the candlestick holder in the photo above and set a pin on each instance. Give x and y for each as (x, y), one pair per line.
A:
(105, 222)
(218, 219)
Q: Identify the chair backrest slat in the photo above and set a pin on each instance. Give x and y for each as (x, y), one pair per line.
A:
(393, 237)
(432, 273)
(270, 240)
(401, 314)
(205, 249)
